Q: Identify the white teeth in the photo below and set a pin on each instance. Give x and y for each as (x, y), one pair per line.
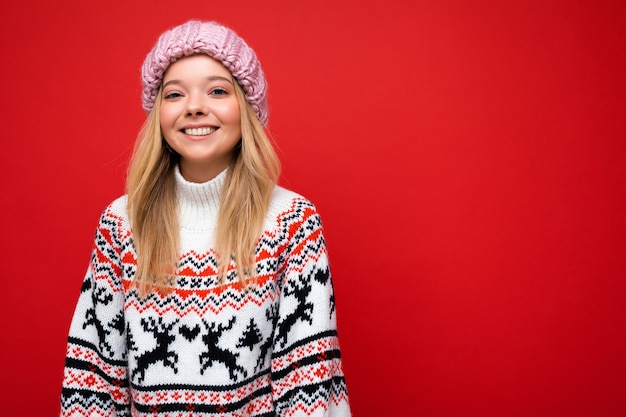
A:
(203, 131)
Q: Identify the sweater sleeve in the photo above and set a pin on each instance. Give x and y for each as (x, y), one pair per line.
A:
(95, 381)
(307, 375)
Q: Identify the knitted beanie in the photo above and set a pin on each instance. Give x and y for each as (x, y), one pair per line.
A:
(216, 41)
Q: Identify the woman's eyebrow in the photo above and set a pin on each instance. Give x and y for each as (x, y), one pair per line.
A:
(219, 78)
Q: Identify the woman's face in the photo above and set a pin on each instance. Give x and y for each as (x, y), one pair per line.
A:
(199, 115)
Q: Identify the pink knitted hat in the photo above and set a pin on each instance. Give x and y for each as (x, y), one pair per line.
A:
(218, 42)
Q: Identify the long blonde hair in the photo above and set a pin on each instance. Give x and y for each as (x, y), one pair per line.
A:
(153, 208)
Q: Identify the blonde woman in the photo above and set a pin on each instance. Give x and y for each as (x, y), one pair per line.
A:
(208, 292)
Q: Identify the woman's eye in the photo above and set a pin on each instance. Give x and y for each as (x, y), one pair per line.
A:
(172, 95)
(218, 91)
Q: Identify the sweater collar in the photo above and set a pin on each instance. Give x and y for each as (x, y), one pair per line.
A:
(198, 203)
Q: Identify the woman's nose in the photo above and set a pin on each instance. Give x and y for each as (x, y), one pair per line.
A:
(196, 106)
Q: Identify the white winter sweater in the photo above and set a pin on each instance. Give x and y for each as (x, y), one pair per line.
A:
(207, 349)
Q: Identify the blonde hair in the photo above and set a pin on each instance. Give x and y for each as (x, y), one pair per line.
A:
(153, 208)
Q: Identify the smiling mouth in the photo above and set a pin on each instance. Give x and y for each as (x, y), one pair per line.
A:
(203, 131)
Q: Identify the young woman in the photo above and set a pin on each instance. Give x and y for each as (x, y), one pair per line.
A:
(208, 292)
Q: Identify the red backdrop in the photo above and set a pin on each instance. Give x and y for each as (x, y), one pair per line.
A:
(468, 159)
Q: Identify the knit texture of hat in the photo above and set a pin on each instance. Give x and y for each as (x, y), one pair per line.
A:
(216, 41)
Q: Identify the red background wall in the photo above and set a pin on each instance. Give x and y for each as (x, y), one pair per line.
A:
(468, 159)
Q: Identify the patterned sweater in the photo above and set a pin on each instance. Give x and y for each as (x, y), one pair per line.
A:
(206, 349)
